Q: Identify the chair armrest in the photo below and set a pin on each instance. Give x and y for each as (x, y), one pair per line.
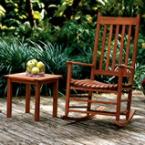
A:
(79, 63)
(70, 68)
(123, 66)
(125, 74)
(124, 70)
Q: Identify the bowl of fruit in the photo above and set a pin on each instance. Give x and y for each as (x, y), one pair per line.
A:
(35, 68)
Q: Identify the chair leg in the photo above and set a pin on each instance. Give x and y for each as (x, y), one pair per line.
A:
(89, 104)
(128, 104)
(89, 116)
(118, 121)
(118, 107)
(130, 113)
(67, 102)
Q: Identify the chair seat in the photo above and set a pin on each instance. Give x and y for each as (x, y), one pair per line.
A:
(87, 83)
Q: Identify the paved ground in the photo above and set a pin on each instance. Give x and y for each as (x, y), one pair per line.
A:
(21, 129)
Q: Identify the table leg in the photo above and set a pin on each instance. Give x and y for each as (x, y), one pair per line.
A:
(9, 98)
(28, 93)
(55, 95)
(37, 101)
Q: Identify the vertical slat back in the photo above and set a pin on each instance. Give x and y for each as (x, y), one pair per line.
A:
(109, 47)
(135, 43)
(103, 47)
(115, 47)
(128, 45)
(122, 45)
(96, 45)
(113, 42)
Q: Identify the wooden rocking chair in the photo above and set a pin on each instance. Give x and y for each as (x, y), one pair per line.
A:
(114, 55)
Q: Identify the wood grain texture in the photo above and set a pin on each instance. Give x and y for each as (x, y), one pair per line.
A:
(21, 129)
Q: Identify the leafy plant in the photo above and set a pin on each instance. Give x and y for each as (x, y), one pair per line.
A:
(139, 75)
(2, 11)
(13, 56)
(121, 7)
(141, 50)
(78, 38)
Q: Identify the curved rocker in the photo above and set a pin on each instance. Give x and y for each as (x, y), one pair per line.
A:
(124, 122)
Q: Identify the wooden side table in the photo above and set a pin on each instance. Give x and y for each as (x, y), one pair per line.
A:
(37, 81)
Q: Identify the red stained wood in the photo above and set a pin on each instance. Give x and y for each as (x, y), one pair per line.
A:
(118, 35)
(37, 81)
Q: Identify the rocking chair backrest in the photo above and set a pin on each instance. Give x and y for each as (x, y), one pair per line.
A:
(115, 43)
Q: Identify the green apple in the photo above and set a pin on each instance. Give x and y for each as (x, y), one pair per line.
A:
(35, 70)
(41, 66)
(28, 69)
(30, 64)
(34, 61)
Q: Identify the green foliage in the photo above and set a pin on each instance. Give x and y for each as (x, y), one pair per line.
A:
(139, 75)
(140, 66)
(141, 50)
(78, 38)
(12, 13)
(2, 11)
(63, 6)
(13, 56)
(121, 7)
(64, 10)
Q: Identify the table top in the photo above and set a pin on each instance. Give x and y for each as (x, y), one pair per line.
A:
(28, 77)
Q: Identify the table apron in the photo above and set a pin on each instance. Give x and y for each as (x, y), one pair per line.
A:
(34, 82)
